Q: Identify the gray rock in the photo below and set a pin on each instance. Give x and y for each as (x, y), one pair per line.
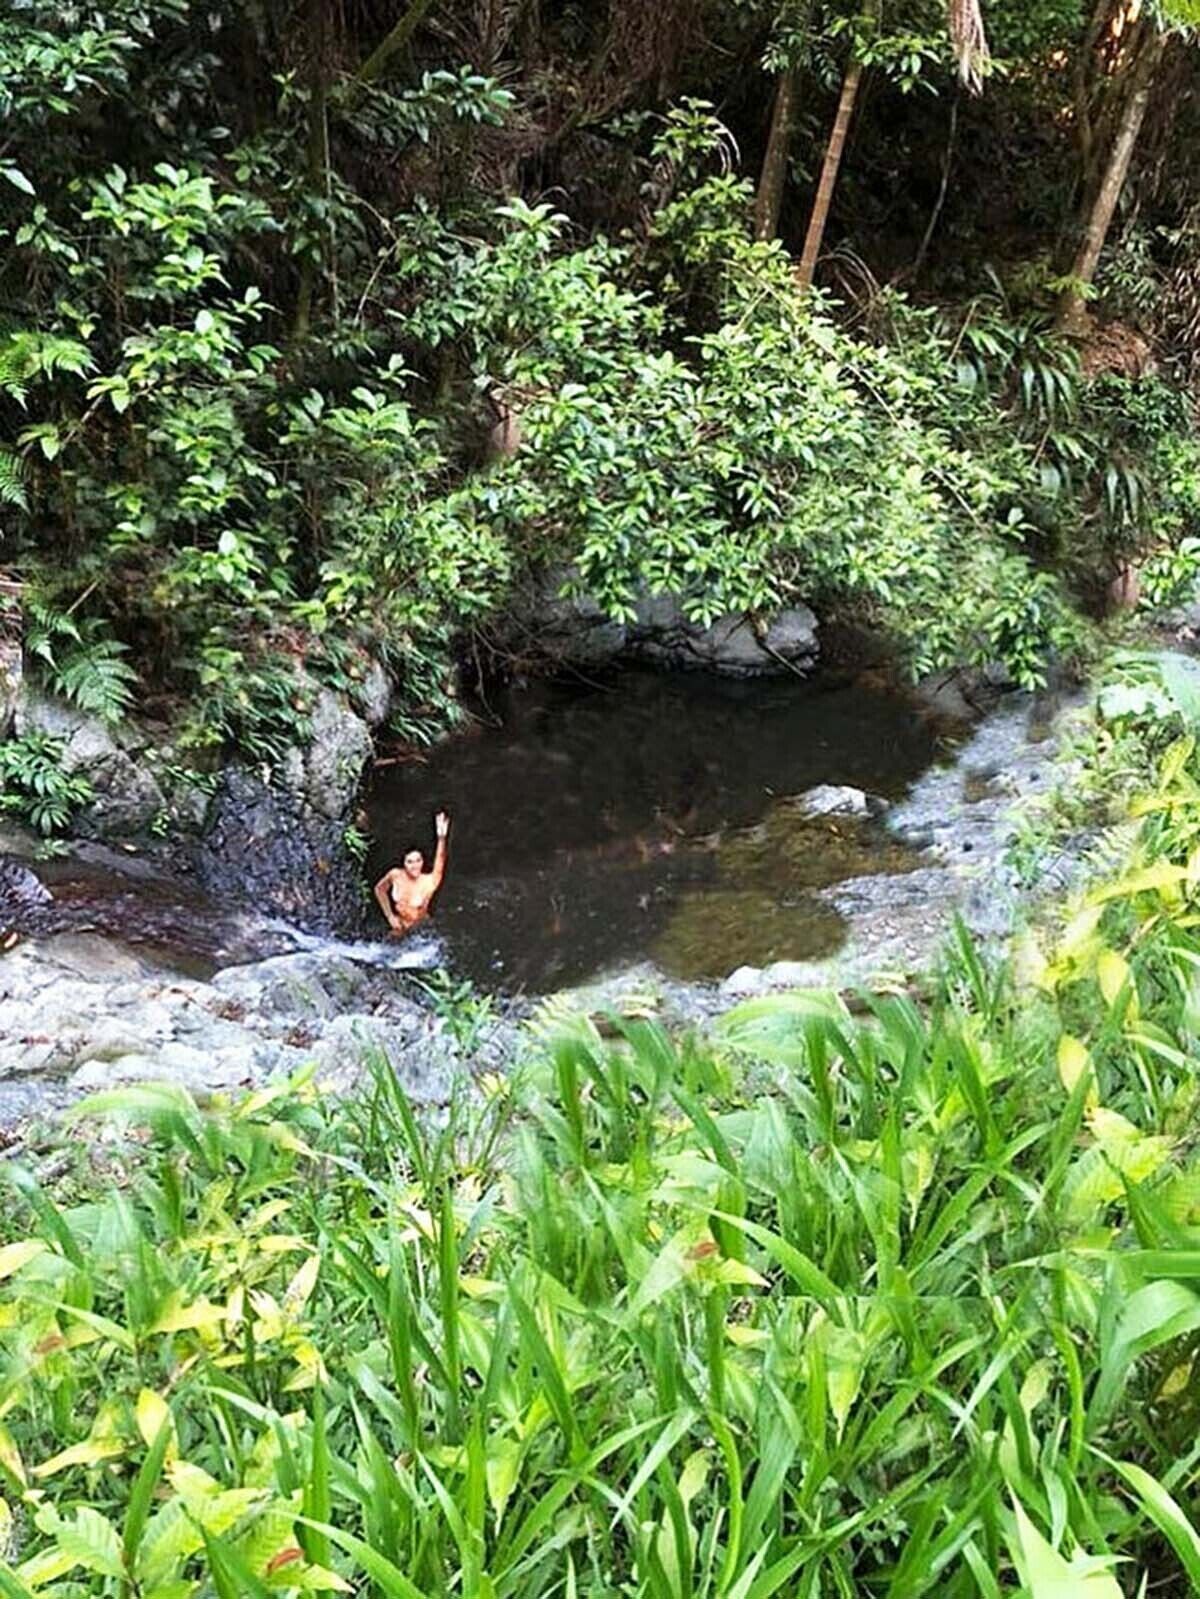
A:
(546, 617)
(373, 696)
(12, 667)
(303, 985)
(564, 627)
(731, 645)
(20, 886)
(833, 799)
(113, 1036)
(127, 795)
(331, 768)
(746, 982)
(21, 1059)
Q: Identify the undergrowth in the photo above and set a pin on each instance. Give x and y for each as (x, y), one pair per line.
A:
(890, 1305)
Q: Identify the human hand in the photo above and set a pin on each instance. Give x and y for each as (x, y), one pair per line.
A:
(441, 823)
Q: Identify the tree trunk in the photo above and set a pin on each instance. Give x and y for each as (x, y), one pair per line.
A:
(1072, 310)
(829, 172)
(773, 179)
(373, 67)
(318, 157)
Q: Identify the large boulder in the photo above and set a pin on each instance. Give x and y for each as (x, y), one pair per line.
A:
(267, 847)
(373, 694)
(327, 773)
(566, 629)
(572, 628)
(11, 678)
(732, 645)
(127, 796)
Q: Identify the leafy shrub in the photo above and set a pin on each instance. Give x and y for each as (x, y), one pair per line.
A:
(35, 787)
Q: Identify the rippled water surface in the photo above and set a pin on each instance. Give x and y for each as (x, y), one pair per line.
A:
(653, 816)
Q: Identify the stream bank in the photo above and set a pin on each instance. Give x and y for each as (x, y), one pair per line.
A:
(127, 973)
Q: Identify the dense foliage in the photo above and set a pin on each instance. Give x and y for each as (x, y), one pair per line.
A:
(313, 335)
(899, 1304)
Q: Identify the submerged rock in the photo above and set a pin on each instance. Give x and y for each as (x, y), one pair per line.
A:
(837, 799)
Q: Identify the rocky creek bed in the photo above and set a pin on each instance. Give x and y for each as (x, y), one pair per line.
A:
(88, 1003)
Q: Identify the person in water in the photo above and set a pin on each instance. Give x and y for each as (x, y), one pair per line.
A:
(404, 893)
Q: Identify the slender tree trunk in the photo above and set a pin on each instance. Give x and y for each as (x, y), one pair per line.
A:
(318, 156)
(396, 41)
(829, 173)
(773, 179)
(1072, 308)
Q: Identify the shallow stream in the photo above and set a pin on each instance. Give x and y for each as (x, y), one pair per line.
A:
(653, 816)
(595, 826)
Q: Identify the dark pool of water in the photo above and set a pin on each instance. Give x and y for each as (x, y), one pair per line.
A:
(649, 817)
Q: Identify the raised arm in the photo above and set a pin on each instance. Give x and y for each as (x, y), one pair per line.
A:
(383, 895)
(441, 824)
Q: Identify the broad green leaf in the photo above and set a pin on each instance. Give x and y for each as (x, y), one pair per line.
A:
(1049, 1576)
(1165, 1513)
(1153, 1315)
(88, 1538)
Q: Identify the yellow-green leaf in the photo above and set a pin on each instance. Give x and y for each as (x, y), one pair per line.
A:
(503, 1465)
(1112, 973)
(10, 1456)
(1073, 1061)
(153, 1413)
(14, 1256)
(299, 1290)
(88, 1453)
(1049, 1576)
(1148, 879)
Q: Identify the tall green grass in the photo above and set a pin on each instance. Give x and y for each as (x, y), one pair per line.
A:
(825, 1307)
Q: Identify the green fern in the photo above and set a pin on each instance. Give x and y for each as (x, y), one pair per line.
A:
(97, 678)
(82, 663)
(12, 485)
(26, 355)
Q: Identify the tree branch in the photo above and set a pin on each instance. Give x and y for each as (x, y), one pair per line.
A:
(376, 63)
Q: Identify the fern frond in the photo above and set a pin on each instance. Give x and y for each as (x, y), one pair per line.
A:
(12, 480)
(96, 677)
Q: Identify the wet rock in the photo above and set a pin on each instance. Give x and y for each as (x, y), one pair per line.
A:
(564, 628)
(293, 985)
(572, 628)
(265, 847)
(20, 886)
